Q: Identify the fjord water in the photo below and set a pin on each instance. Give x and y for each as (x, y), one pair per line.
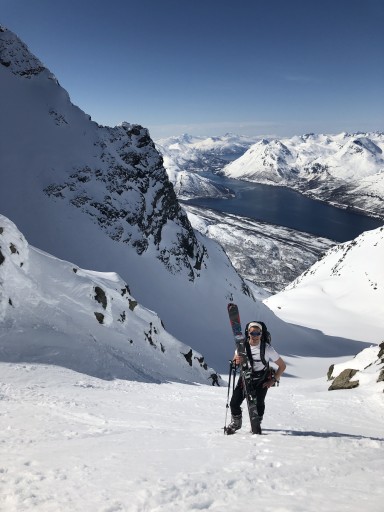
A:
(286, 207)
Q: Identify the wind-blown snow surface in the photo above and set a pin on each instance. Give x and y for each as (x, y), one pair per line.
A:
(344, 169)
(75, 442)
(342, 292)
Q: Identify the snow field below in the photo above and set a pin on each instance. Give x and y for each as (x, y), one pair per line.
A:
(74, 442)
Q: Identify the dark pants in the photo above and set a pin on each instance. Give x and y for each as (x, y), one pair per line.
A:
(238, 397)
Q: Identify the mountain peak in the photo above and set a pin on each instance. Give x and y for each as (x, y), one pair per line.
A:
(114, 176)
(15, 55)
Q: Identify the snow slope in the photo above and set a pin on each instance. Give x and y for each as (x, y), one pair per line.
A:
(77, 435)
(342, 293)
(39, 291)
(75, 442)
(54, 312)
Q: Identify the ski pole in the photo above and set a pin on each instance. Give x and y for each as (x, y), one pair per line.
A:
(232, 369)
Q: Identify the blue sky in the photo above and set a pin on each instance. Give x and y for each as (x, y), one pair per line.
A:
(206, 67)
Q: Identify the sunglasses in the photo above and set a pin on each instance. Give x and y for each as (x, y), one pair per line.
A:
(255, 333)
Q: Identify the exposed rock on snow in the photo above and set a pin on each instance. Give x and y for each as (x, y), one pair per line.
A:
(15, 56)
(343, 380)
(366, 369)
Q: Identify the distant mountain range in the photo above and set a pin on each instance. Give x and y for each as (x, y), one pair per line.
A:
(346, 170)
(186, 156)
(192, 153)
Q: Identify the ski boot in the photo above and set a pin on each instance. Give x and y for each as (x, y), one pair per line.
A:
(234, 425)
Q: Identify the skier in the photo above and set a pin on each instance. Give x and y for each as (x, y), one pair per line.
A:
(215, 379)
(261, 376)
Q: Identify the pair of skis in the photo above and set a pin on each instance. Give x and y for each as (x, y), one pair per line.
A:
(245, 369)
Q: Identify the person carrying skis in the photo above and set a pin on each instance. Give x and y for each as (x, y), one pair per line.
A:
(262, 377)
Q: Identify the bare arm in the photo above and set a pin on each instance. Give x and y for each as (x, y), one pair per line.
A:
(281, 368)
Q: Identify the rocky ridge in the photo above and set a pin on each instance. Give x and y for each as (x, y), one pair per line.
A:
(122, 186)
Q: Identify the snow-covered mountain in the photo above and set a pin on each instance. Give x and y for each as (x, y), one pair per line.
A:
(53, 312)
(100, 197)
(345, 169)
(186, 155)
(52, 153)
(341, 293)
(189, 185)
(191, 153)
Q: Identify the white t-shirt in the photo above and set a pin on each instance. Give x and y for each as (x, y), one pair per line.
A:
(270, 355)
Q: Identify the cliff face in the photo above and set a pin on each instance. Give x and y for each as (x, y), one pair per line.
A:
(115, 176)
(128, 194)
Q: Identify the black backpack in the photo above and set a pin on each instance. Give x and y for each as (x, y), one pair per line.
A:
(265, 339)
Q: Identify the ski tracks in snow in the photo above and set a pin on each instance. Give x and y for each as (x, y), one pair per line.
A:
(73, 442)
